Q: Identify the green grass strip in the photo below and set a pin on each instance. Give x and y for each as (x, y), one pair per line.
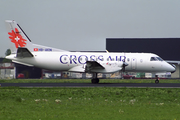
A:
(89, 103)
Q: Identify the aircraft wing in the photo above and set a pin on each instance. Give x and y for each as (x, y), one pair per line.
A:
(103, 67)
(88, 67)
(98, 67)
(93, 65)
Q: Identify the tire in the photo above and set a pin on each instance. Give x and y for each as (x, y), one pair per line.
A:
(95, 81)
(156, 81)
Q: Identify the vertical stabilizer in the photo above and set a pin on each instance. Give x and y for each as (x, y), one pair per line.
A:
(19, 39)
(17, 36)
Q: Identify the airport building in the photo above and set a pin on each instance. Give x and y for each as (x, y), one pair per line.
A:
(7, 69)
(167, 48)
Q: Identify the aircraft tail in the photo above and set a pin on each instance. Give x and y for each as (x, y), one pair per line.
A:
(19, 39)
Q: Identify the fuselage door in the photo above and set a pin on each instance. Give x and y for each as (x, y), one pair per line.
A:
(133, 63)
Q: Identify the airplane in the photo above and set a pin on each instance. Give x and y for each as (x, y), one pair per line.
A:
(24, 52)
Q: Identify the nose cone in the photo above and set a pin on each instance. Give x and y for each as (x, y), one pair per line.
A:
(171, 68)
(174, 66)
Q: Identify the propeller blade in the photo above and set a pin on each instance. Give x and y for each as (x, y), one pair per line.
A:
(124, 66)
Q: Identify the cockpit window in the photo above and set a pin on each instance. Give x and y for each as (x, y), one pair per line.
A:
(160, 59)
(156, 59)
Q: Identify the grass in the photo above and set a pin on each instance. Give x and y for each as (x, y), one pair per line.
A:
(88, 81)
(89, 103)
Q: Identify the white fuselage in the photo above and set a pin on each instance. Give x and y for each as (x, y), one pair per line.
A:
(66, 61)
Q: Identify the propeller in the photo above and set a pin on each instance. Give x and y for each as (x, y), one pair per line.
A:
(124, 63)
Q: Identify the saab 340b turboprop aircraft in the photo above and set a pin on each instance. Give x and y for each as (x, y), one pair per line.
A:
(24, 52)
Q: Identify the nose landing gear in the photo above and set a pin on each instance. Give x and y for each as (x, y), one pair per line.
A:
(157, 79)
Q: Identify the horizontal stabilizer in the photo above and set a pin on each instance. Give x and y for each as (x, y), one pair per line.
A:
(22, 63)
(23, 52)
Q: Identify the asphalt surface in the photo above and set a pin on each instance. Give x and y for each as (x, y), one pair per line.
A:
(140, 85)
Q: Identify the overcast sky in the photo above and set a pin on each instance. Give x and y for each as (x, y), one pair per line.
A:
(84, 25)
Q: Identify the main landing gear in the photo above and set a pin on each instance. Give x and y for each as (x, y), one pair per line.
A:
(94, 80)
(157, 79)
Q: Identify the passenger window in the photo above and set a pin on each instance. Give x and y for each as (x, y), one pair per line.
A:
(141, 60)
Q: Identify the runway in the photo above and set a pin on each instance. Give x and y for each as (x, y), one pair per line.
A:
(130, 85)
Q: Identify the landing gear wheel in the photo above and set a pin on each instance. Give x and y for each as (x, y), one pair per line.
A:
(95, 80)
(156, 81)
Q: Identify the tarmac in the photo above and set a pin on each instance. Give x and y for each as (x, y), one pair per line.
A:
(129, 85)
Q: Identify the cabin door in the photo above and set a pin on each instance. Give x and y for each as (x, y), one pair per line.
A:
(133, 63)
